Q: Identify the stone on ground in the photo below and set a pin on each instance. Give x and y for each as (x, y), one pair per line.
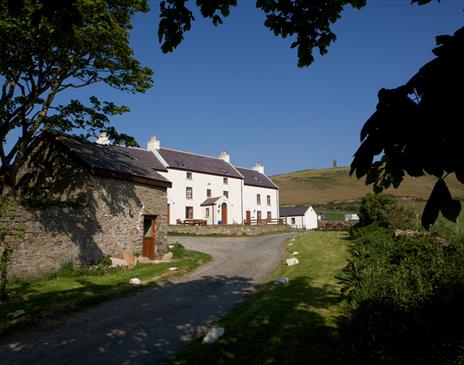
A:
(213, 335)
(16, 314)
(292, 261)
(167, 257)
(115, 262)
(135, 281)
(281, 281)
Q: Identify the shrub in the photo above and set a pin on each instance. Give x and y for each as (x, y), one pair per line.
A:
(105, 261)
(405, 299)
(178, 251)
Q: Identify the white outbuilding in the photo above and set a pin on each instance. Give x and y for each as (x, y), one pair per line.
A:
(304, 217)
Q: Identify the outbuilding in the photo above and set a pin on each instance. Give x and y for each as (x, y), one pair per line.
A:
(303, 217)
(81, 200)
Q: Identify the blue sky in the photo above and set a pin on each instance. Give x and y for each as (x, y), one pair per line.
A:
(237, 87)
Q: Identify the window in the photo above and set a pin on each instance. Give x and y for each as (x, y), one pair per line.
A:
(189, 176)
(268, 200)
(258, 199)
(208, 193)
(258, 215)
(189, 193)
(269, 216)
(293, 220)
(225, 180)
(188, 212)
(207, 213)
(225, 193)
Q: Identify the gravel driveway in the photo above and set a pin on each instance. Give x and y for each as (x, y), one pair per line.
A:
(151, 326)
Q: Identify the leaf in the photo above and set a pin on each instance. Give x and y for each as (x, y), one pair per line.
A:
(440, 200)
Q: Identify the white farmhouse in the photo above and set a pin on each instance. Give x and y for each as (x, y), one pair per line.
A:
(303, 217)
(211, 189)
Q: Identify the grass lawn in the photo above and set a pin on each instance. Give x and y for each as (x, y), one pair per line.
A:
(68, 290)
(335, 215)
(291, 324)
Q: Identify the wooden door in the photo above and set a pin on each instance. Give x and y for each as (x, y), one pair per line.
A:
(149, 237)
(248, 217)
(224, 213)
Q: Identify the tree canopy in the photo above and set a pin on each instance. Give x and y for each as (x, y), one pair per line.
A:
(47, 47)
(308, 22)
(416, 130)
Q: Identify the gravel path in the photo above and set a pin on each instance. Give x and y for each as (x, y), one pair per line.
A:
(152, 325)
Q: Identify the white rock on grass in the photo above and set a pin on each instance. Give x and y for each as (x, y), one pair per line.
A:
(170, 246)
(281, 281)
(16, 314)
(295, 253)
(290, 244)
(292, 261)
(135, 281)
(173, 269)
(213, 335)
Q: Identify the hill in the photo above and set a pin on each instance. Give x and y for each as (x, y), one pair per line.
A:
(334, 185)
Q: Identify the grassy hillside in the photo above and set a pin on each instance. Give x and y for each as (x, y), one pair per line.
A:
(330, 185)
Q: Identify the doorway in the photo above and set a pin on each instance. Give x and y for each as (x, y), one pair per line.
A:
(224, 213)
(149, 237)
(248, 217)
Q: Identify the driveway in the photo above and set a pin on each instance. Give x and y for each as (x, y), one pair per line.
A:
(152, 325)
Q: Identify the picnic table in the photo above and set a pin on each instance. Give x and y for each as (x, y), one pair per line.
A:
(195, 222)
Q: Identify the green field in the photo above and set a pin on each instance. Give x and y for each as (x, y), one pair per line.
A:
(335, 188)
(290, 324)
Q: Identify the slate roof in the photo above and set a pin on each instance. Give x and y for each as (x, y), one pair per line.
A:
(197, 163)
(210, 201)
(293, 211)
(255, 178)
(121, 161)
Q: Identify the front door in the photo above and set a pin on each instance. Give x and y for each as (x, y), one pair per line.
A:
(248, 217)
(149, 237)
(224, 213)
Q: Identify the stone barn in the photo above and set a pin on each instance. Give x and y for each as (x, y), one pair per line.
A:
(80, 200)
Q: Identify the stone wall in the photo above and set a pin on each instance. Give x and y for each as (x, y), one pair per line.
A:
(229, 229)
(110, 223)
(72, 215)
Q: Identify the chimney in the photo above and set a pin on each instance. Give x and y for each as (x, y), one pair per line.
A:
(103, 138)
(258, 167)
(224, 156)
(153, 144)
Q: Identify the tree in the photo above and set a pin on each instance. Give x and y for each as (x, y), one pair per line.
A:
(47, 47)
(416, 130)
(308, 21)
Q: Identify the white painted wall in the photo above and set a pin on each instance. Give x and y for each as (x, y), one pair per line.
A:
(200, 182)
(250, 202)
(307, 221)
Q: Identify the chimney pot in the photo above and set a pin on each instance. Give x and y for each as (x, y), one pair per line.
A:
(103, 138)
(153, 144)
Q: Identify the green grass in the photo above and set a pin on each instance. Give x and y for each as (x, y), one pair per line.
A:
(70, 290)
(290, 324)
(335, 215)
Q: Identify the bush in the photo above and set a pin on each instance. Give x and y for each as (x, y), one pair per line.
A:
(178, 251)
(405, 299)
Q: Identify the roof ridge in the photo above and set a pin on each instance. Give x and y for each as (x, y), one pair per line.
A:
(193, 153)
